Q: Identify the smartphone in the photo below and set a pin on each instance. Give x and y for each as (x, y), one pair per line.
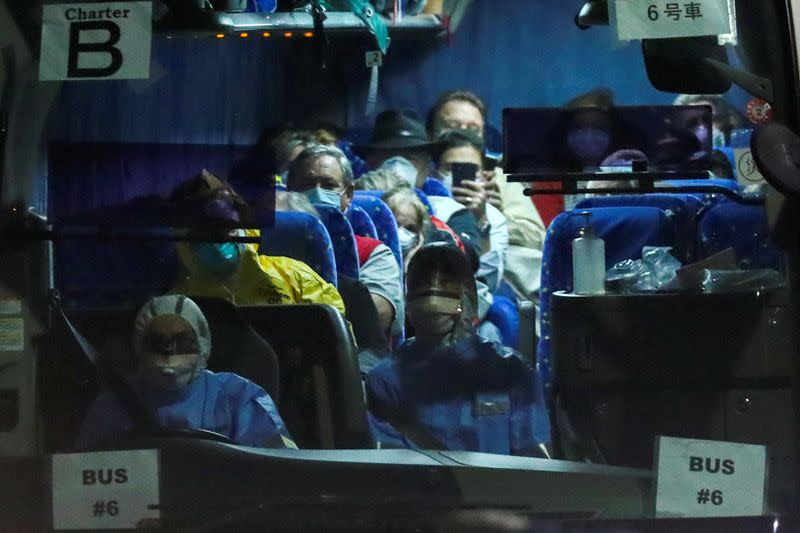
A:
(462, 172)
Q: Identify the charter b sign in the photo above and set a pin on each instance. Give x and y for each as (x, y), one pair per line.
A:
(96, 41)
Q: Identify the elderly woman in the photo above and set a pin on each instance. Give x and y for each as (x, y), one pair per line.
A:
(172, 388)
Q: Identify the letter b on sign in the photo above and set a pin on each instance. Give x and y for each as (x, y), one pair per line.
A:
(103, 44)
(77, 47)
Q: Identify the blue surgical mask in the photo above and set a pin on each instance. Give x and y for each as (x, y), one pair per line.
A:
(318, 195)
(218, 259)
(590, 145)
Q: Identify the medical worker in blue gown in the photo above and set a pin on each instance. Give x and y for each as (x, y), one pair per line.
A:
(448, 388)
(172, 387)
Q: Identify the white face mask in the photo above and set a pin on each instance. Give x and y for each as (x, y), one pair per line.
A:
(402, 167)
(446, 178)
(174, 377)
(408, 239)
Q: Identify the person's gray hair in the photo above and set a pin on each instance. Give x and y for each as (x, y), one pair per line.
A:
(380, 180)
(315, 151)
(294, 202)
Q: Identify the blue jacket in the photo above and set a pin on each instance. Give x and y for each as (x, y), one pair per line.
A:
(475, 395)
(224, 403)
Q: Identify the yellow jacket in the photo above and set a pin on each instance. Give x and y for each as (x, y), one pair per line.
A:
(259, 280)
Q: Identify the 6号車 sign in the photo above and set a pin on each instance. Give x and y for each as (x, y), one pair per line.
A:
(664, 19)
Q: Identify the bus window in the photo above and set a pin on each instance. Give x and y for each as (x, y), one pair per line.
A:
(418, 238)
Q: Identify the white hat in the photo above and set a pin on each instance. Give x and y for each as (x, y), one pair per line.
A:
(173, 304)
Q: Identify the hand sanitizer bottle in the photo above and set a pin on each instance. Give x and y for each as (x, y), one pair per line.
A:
(588, 261)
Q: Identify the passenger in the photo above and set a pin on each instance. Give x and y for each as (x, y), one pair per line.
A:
(464, 146)
(400, 133)
(235, 271)
(323, 174)
(725, 117)
(447, 385)
(463, 110)
(408, 209)
(171, 388)
(361, 310)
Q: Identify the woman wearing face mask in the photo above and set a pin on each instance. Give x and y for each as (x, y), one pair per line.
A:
(449, 386)
(235, 271)
(171, 385)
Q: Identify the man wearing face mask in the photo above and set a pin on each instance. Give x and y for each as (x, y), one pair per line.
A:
(235, 271)
(449, 386)
(172, 342)
(323, 174)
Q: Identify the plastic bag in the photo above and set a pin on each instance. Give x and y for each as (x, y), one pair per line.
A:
(718, 281)
(654, 271)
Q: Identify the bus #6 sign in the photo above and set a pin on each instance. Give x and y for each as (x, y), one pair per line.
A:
(708, 478)
(105, 490)
(103, 41)
(664, 19)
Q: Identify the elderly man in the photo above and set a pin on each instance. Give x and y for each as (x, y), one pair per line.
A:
(323, 174)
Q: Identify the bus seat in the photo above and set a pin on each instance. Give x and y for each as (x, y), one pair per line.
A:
(342, 239)
(303, 237)
(706, 198)
(385, 223)
(684, 209)
(424, 198)
(744, 228)
(237, 348)
(625, 230)
(321, 400)
(504, 314)
(361, 222)
(434, 187)
(420, 194)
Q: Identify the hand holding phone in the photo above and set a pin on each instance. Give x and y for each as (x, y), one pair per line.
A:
(463, 172)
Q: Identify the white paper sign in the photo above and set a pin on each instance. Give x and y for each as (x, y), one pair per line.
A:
(747, 172)
(105, 490)
(708, 478)
(663, 19)
(105, 41)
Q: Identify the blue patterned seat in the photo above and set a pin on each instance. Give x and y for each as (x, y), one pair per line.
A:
(744, 228)
(384, 221)
(683, 208)
(504, 314)
(706, 198)
(625, 230)
(434, 187)
(302, 237)
(342, 237)
(361, 222)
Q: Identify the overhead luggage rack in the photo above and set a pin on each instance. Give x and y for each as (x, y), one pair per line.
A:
(277, 24)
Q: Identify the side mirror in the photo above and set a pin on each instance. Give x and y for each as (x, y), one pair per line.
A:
(686, 65)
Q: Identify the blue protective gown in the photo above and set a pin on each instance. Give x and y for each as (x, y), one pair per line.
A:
(221, 402)
(474, 395)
